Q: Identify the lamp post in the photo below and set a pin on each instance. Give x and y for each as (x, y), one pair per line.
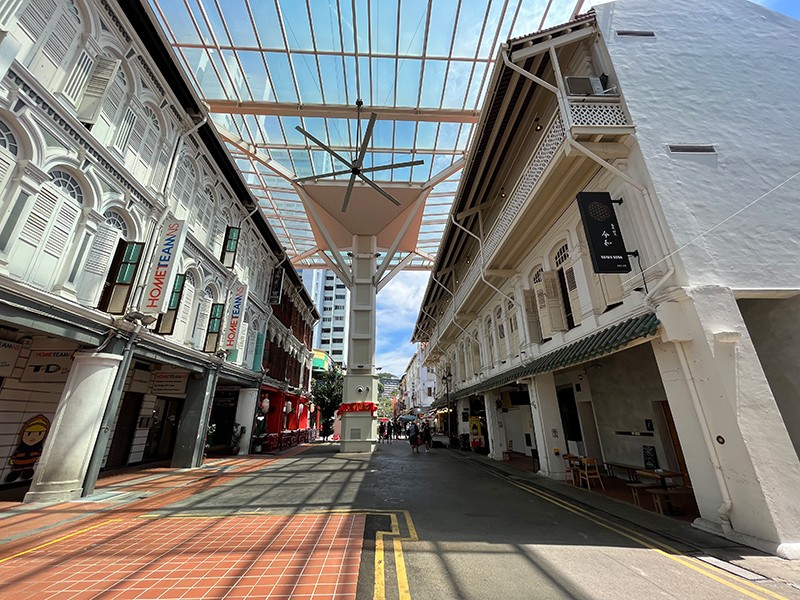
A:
(446, 378)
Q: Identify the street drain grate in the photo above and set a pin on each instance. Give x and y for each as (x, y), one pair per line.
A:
(731, 568)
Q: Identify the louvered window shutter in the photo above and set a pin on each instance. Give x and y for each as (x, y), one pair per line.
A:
(185, 312)
(63, 226)
(99, 85)
(80, 75)
(251, 350)
(572, 291)
(555, 308)
(125, 130)
(34, 18)
(203, 311)
(611, 285)
(532, 314)
(59, 35)
(95, 269)
(541, 308)
(241, 345)
(7, 163)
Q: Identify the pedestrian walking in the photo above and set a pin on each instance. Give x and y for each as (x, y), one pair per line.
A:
(427, 437)
(389, 428)
(381, 432)
(413, 436)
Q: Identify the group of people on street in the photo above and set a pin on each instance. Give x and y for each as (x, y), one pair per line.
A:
(418, 437)
(386, 429)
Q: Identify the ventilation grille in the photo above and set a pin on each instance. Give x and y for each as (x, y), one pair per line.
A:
(635, 33)
(692, 148)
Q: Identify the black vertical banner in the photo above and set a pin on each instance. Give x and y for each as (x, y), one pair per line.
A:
(276, 286)
(606, 246)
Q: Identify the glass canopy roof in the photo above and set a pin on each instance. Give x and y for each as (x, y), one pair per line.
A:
(264, 67)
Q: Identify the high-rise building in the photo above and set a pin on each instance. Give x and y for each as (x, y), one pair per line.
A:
(333, 303)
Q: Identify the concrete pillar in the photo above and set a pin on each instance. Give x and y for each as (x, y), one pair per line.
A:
(361, 381)
(547, 425)
(741, 431)
(496, 435)
(68, 449)
(191, 436)
(245, 415)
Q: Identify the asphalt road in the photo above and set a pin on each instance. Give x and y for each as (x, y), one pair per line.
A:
(463, 530)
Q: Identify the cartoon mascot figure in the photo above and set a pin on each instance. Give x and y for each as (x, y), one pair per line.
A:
(29, 448)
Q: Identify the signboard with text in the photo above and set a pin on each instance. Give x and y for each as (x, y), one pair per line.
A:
(236, 307)
(358, 407)
(161, 272)
(169, 383)
(606, 247)
(276, 286)
(9, 352)
(48, 366)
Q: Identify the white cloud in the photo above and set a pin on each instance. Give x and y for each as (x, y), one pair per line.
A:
(397, 309)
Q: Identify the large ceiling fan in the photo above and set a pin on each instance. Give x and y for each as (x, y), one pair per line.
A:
(354, 166)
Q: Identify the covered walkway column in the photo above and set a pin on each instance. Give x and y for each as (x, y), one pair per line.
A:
(191, 436)
(361, 382)
(245, 415)
(547, 424)
(68, 449)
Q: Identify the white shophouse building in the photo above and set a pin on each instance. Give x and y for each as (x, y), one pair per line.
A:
(683, 111)
(117, 335)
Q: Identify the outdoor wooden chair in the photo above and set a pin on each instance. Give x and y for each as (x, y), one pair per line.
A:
(572, 469)
(590, 471)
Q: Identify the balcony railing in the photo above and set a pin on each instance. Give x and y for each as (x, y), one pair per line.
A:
(606, 114)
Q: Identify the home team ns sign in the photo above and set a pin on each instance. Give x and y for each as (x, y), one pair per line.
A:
(600, 224)
(236, 308)
(162, 271)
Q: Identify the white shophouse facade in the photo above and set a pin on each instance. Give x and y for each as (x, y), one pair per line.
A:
(682, 111)
(103, 148)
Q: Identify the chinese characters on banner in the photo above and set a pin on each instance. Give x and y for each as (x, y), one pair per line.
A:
(600, 224)
(358, 407)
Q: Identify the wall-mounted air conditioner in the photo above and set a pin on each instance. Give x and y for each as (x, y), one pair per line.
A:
(584, 86)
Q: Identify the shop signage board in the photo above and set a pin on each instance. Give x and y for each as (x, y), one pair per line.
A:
(606, 246)
(358, 407)
(47, 366)
(170, 383)
(9, 352)
(276, 286)
(236, 306)
(161, 272)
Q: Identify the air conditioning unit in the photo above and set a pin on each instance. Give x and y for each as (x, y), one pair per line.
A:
(584, 86)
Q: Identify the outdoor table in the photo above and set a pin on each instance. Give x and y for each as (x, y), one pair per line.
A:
(662, 476)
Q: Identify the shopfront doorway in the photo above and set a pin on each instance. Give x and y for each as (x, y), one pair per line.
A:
(163, 427)
(124, 430)
(570, 421)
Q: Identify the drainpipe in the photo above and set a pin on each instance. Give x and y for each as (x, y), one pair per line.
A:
(483, 262)
(436, 281)
(725, 508)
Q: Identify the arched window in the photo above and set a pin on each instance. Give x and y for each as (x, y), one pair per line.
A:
(8, 140)
(498, 317)
(67, 184)
(112, 106)
(44, 240)
(115, 220)
(562, 255)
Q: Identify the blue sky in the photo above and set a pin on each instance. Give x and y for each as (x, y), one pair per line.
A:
(398, 303)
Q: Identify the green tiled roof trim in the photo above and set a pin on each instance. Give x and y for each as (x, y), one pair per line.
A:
(602, 342)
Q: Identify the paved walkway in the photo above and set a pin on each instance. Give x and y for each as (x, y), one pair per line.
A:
(314, 523)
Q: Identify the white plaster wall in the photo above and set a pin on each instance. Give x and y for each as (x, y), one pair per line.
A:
(774, 327)
(624, 386)
(722, 72)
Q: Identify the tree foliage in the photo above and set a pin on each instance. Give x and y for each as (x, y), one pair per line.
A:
(327, 391)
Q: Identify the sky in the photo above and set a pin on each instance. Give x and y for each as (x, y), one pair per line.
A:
(398, 303)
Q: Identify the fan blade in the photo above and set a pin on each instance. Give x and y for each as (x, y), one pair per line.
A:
(410, 163)
(368, 134)
(321, 176)
(379, 189)
(324, 146)
(348, 192)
